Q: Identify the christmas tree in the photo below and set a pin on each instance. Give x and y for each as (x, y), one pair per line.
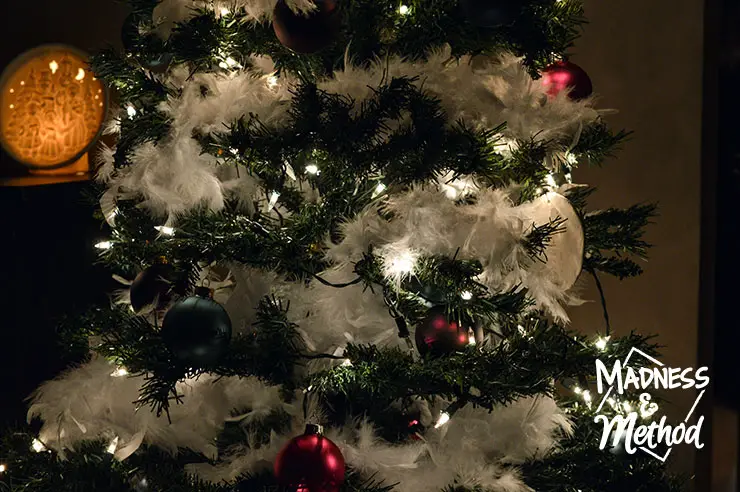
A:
(348, 234)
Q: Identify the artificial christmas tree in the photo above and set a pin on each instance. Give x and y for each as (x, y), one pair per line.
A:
(409, 174)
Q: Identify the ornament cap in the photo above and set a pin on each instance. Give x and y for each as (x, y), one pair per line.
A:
(204, 292)
(312, 429)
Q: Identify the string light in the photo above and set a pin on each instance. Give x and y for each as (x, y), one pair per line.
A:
(104, 245)
(131, 111)
(168, 231)
(378, 190)
(120, 372)
(272, 81)
(111, 449)
(601, 343)
(571, 158)
(577, 390)
(587, 398)
(37, 446)
(404, 10)
(225, 11)
(53, 66)
(3, 468)
(313, 169)
(346, 362)
(444, 417)
(401, 264)
(466, 295)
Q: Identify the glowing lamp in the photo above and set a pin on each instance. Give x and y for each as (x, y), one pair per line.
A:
(52, 110)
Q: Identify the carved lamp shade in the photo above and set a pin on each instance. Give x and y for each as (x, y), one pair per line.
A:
(51, 112)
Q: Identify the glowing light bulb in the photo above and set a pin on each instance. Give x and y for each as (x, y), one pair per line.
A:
(12, 91)
(444, 417)
(53, 66)
(80, 74)
(378, 190)
(23, 82)
(225, 11)
(601, 343)
(467, 295)
(577, 390)
(168, 231)
(521, 329)
(403, 9)
(402, 264)
(104, 245)
(272, 81)
(587, 397)
(12, 106)
(111, 449)
(3, 468)
(346, 362)
(120, 372)
(231, 62)
(131, 111)
(571, 158)
(37, 446)
(312, 169)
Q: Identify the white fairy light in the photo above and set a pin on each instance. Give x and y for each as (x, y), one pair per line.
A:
(166, 230)
(111, 449)
(521, 329)
(225, 11)
(272, 81)
(120, 372)
(37, 446)
(466, 295)
(313, 169)
(378, 190)
(346, 362)
(53, 66)
(3, 468)
(577, 390)
(130, 111)
(444, 417)
(231, 62)
(104, 245)
(273, 200)
(571, 158)
(401, 264)
(601, 343)
(471, 338)
(587, 397)
(404, 9)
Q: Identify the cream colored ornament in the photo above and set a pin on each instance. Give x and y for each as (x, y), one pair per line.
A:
(564, 253)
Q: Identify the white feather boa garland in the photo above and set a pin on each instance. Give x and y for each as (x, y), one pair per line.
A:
(476, 447)
(174, 176)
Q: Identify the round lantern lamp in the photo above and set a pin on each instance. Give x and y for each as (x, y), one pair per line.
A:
(52, 108)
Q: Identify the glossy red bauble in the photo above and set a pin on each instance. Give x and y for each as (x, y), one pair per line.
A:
(310, 463)
(562, 76)
(439, 335)
(306, 33)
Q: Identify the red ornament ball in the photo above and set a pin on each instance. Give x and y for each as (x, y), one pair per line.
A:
(439, 335)
(565, 75)
(310, 463)
(306, 33)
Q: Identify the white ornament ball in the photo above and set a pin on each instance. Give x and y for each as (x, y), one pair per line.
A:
(564, 253)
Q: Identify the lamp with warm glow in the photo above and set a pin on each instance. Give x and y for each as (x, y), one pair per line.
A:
(51, 110)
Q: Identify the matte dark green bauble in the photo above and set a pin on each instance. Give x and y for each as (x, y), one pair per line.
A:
(490, 13)
(148, 48)
(438, 334)
(151, 288)
(197, 330)
(427, 292)
(306, 33)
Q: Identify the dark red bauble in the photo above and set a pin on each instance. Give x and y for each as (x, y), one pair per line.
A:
(563, 75)
(439, 335)
(306, 33)
(310, 463)
(151, 288)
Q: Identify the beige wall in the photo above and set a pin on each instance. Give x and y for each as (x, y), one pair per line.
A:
(645, 59)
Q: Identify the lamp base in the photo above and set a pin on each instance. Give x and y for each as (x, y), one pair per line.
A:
(76, 171)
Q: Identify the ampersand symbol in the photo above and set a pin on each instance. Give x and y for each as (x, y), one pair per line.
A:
(646, 406)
